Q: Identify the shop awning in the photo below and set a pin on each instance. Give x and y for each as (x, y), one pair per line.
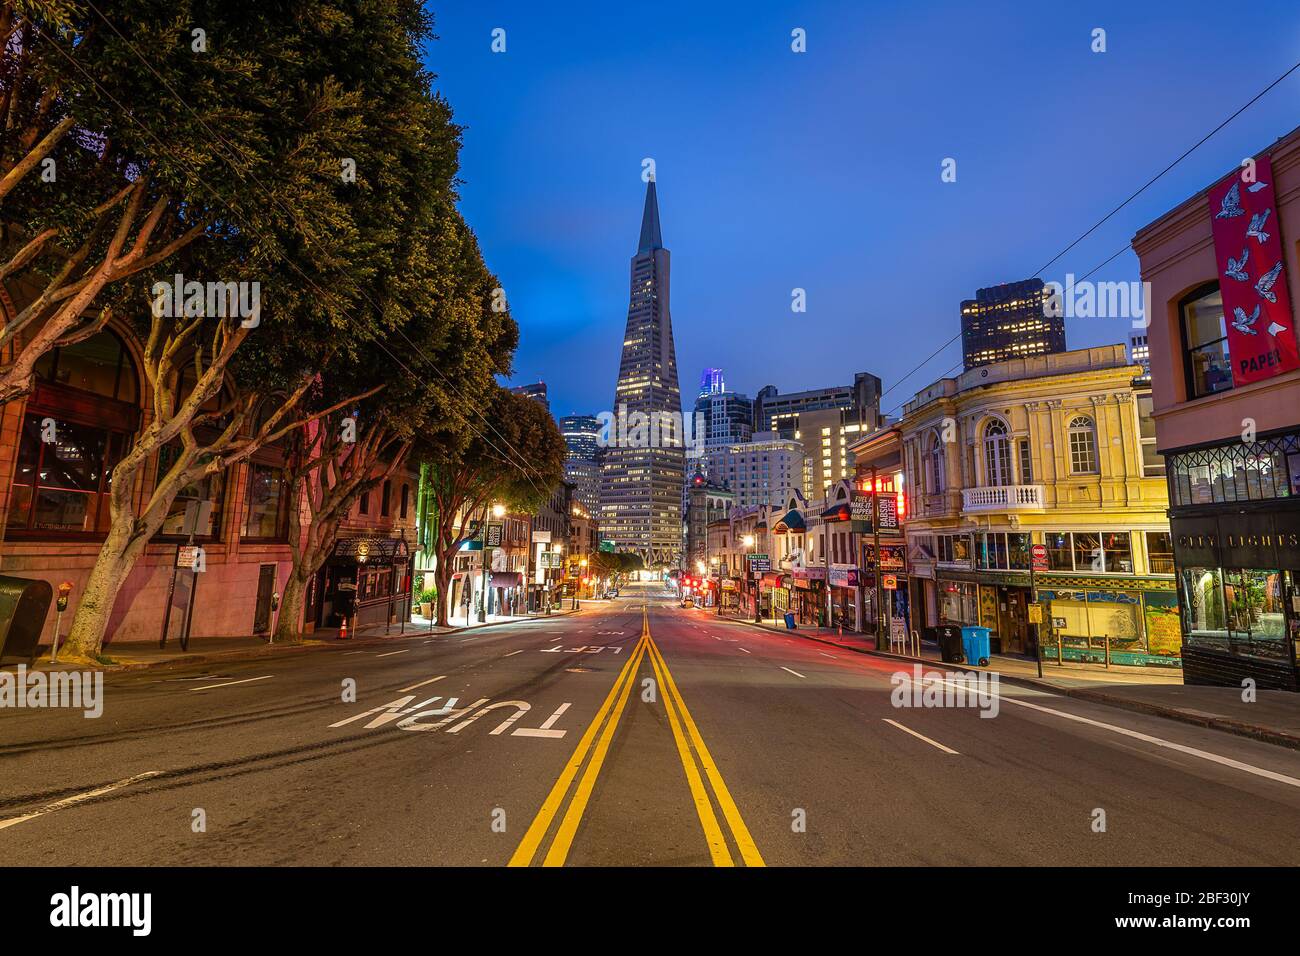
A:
(840, 512)
(791, 521)
(370, 550)
(507, 579)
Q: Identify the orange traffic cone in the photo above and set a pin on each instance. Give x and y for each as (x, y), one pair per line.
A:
(343, 631)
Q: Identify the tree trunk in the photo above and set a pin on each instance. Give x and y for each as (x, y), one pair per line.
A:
(442, 580)
(120, 551)
(288, 628)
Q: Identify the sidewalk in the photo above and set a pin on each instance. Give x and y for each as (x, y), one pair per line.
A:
(1274, 716)
(141, 655)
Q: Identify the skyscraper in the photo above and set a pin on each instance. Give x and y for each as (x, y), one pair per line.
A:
(534, 390)
(643, 470)
(1008, 321)
(582, 463)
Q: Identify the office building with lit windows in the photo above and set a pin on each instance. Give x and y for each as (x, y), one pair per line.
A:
(1007, 322)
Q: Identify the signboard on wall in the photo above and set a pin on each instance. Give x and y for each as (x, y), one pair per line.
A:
(1252, 275)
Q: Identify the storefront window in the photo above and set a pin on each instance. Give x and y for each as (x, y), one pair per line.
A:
(266, 513)
(1117, 552)
(1087, 552)
(62, 485)
(1059, 554)
(1207, 622)
(1160, 552)
(1018, 551)
(959, 603)
(1256, 619)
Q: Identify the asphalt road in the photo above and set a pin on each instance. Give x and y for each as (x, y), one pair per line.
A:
(630, 733)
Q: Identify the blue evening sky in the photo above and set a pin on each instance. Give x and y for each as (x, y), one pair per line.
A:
(821, 170)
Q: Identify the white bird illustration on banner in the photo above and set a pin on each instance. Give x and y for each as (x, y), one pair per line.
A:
(1230, 208)
(1243, 322)
(1256, 227)
(1256, 187)
(1237, 267)
(1265, 284)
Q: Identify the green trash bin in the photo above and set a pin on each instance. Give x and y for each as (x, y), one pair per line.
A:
(23, 605)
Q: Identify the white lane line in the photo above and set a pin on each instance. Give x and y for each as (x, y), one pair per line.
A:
(230, 682)
(831, 656)
(422, 683)
(513, 653)
(745, 649)
(795, 673)
(78, 798)
(350, 653)
(405, 650)
(1158, 741)
(909, 730)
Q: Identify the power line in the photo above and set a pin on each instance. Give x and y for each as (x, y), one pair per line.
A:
(1145, 186)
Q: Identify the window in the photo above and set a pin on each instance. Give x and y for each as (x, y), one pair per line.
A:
(1083, 446)
(1153, 463)
(1236, 611)
(406, 498)
(936, 472)
(266, 517)
(1205, 341)
(997, 454)
(78, 425)
(1026, 463)
(363, 504)
(1268, 468)
(208, 489)
(62, 485)
(384, 498)
(1002, 551)
(1160, 552)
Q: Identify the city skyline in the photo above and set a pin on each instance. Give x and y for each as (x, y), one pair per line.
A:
(756, 212)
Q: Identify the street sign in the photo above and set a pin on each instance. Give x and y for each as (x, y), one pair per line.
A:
(186, 556)
(494, 532)
(1039, 552)
(606, 545)
(759, 562)
(1035, 614)
(889, 582)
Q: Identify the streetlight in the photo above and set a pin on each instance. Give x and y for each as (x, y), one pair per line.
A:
(582, 578)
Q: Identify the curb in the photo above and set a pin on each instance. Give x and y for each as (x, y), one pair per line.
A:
(271, 650)
(1224, 724)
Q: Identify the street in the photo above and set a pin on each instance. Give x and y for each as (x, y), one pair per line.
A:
(632, 732)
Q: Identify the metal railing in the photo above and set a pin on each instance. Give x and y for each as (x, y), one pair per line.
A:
(1003, 498)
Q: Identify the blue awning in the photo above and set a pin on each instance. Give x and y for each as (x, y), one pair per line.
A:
(792, 520)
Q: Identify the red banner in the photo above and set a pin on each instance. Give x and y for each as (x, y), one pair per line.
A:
(1252, 276)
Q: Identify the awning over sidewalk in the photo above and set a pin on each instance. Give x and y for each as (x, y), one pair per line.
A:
(365, 549)
(791, 521)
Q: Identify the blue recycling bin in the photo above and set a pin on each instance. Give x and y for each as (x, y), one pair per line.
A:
(789, 620)
(975, 645)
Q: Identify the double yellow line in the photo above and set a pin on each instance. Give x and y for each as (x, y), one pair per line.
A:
(608, 716)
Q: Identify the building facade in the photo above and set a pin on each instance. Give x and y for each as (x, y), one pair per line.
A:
(641, 480)
(757, 471)
(582, 461)
(1044, 454)
(706, 503)
(1225, 373)
(1010, 321)
(777, 412)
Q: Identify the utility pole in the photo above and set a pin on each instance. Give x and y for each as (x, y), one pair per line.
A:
(875, 533)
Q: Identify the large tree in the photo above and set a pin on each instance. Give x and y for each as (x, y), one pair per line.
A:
(134, 129)
(513, 457)
(329, 248)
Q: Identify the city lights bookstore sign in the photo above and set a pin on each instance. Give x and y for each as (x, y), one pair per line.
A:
(1252, 275)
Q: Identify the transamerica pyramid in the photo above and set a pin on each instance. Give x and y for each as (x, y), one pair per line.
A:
(641, 481)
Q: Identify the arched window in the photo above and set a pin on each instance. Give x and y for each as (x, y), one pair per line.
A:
(77, 425)
(997, 454)
(936, 476)
(1083, 446)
